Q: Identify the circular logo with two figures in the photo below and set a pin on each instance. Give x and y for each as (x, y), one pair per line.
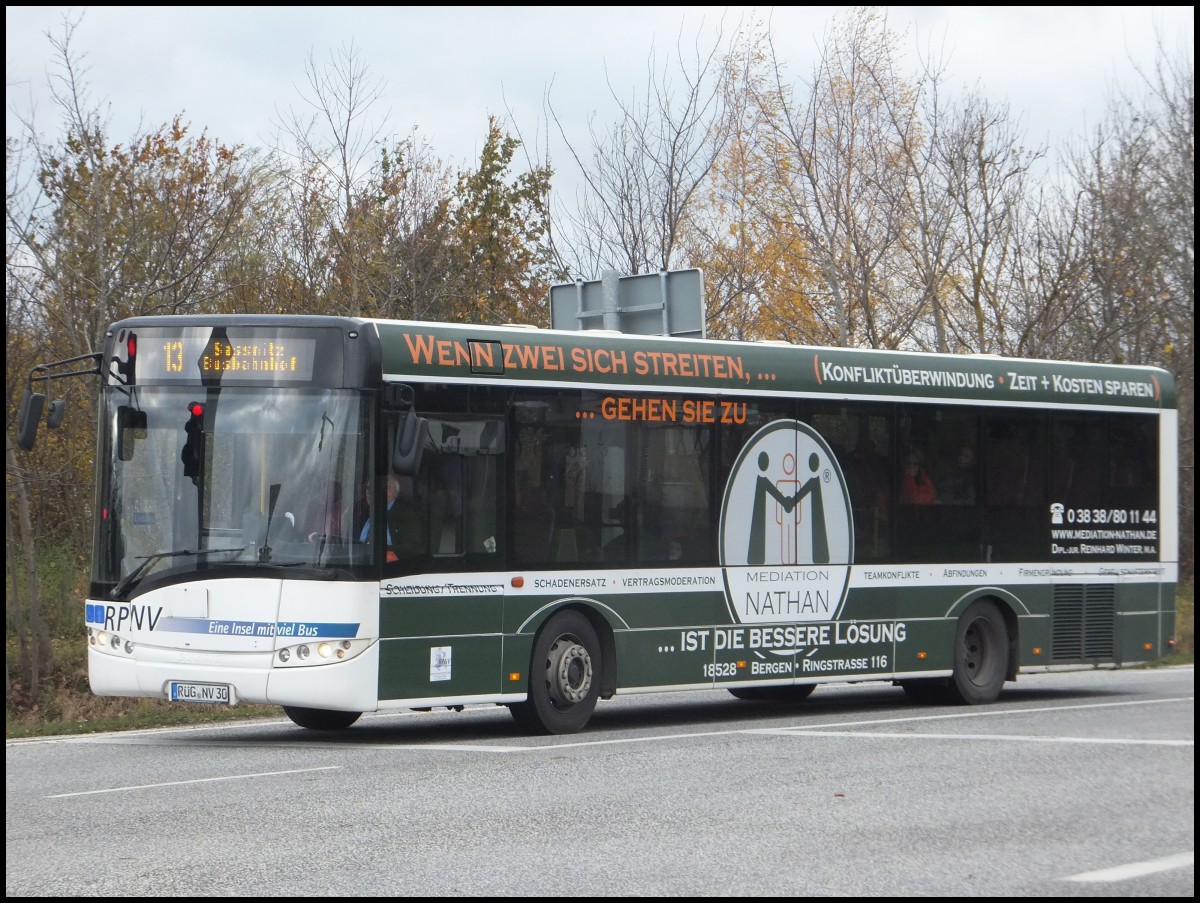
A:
(787, 532)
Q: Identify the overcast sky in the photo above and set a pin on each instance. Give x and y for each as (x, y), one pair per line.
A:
(445, 69)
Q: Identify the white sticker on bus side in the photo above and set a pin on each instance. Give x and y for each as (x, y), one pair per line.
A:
(439, 663)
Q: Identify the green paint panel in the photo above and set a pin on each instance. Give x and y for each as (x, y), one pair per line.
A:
(1134, 633)
(934, 637)
(657, 658)
(1033, 641)
(878, 604)
(868, 640)
(517, 652)
(418, 616)
(440, 666)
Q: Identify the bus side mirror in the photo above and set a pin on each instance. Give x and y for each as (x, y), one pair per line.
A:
(32, 404)
(409, 444)
(54, 417)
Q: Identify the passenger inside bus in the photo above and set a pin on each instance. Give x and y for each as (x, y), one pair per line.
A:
(916, 486)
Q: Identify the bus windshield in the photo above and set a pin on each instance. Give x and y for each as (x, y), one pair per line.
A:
(203, 478)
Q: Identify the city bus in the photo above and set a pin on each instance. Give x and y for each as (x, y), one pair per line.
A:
(593, 513)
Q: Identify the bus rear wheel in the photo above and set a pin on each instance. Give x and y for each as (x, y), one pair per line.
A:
(980, 655)
(564, 677)
(321, 719)
(794, 693)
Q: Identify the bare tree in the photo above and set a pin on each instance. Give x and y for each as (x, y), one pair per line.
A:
(842, 169)
(334, 148)
(987, 175)
(643, 171)
(931, 249)
(408, 199)
(1040, 292)
(757, 279)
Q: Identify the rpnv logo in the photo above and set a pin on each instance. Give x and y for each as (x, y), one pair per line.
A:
(787, 534)
(121, 617)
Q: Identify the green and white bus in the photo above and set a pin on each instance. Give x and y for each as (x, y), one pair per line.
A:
(595, 514)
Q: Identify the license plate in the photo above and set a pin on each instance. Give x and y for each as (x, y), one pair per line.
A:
(217, 694)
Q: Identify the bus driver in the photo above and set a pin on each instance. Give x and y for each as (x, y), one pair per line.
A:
(405, 525)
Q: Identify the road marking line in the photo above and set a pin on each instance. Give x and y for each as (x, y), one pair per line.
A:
(1137, 869)
(232, 777)
(890, 735)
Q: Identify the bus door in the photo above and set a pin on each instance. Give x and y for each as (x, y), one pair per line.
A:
(442, 601)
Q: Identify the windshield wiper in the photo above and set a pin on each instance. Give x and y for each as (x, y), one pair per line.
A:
(146, 560)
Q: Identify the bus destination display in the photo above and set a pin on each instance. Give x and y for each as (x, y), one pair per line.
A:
(236, 358)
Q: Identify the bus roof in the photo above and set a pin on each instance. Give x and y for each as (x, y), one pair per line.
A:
(520, 354)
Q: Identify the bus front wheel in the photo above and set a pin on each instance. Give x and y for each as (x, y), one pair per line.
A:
(321, 719)
(564, 677)
(980, 655)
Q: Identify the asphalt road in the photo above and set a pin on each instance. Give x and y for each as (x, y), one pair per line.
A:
(1077, 784)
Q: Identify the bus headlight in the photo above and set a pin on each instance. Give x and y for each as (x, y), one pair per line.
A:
(327, 652)
(109, 643)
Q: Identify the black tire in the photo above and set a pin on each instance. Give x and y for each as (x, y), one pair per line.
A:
(321, 719)
(793, 693)
(980, 655)
(564, 677)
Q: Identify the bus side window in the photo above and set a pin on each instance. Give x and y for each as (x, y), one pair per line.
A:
(861, 438)
(1077, 459)
(460, 480)
(534, 525)
(1016, 525)
(675, 493)
(1012, 463)
(443, 482)
(1133, 451)
(547, 493)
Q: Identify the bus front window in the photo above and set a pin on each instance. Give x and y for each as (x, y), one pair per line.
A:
(202, 478)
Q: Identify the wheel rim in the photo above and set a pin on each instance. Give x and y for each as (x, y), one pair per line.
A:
(569, 672)
(979, 652)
